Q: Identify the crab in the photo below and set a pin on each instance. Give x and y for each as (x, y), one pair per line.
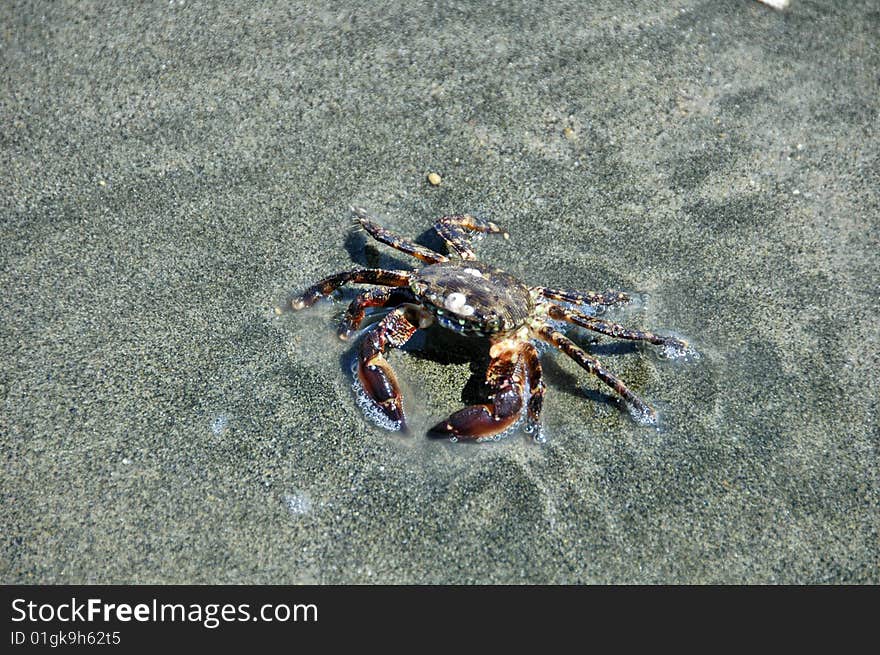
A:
(478, 300)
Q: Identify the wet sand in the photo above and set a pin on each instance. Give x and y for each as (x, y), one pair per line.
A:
(172, 172)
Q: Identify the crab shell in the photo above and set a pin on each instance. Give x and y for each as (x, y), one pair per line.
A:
(473, 298)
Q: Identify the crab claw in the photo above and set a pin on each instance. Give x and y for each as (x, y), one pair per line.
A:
(477, 422)
(505, 376)
(374, 373)
(381, 387)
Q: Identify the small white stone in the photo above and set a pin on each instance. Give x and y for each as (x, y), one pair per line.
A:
(473, 271)
(466, 310)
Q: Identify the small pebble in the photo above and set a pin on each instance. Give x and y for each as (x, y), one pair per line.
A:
(776, 4)
(434, 179)
(568, 133)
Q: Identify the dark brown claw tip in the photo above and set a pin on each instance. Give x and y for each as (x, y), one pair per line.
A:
(477, 422)
(392, 409)
(442, 430)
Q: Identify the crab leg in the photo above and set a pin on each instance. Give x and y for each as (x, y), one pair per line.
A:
(452, 229)
(536, 384)
(592, 365)
(506, 377)
(584, 297)
(373, 370)
(611, 329)
(402, 244)
(361, 276)
(376, 297)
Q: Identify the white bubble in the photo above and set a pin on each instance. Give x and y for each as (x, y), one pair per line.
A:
(219, 424)
(679, 351)
(297, 503)
(537, 432)
(642, 416)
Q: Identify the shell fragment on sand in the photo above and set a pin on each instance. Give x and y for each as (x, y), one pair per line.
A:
(776, 4)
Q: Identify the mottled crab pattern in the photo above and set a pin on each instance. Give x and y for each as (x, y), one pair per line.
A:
(478, 300)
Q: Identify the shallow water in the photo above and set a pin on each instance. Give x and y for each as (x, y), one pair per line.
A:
(167, 185)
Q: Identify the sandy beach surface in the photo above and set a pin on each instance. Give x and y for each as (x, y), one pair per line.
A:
(173, 171)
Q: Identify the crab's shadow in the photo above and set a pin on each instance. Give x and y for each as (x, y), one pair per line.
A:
(441, 346)
(446, 347)
(559, 380)
(364, 251)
